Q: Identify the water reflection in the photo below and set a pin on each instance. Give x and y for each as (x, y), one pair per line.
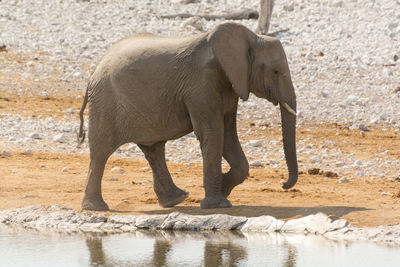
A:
(165, 248)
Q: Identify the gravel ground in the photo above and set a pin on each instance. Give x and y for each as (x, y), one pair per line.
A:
(343, 57)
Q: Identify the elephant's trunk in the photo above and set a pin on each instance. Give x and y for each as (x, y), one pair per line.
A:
(289, 143)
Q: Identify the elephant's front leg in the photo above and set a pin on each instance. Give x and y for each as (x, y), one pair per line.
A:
(233, 153)
(167, 192)
(209, 130)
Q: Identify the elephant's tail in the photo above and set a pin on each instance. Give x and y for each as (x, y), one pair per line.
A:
(81, 134)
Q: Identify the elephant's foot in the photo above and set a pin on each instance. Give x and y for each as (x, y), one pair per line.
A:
(96, 204)
(228, 183)
(170, 200)
(215, 202)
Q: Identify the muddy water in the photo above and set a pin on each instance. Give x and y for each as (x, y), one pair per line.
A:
(20, 247)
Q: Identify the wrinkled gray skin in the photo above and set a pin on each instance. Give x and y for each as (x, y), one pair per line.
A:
(149, 89)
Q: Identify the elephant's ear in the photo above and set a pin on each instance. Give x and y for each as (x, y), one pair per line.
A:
(230, 43)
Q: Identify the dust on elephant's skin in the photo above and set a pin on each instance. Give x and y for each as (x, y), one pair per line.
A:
(148, 89)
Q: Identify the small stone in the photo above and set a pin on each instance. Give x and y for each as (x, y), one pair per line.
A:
(42, 166)
(3, 48)
(255, 143)
(35, 136)
(257, 163)
(28, 151)
(145, 169)
(113, 179)
(343, 180)
(70, 111)
(117, 169)
(351, 99)
(358, 163)
(339, 163)
(374, 120)
(383, 116)
(315, 159)
(194, 22)
(330, 174)
(313, 171)
(360, 173)
(6, 153)
(185, 2)
(363, 127)
(338, 4)
(392, 25)
(329, 143)
(395, 58)
(362, 133)
(60, 138)
(65, 169)
(288, 8)
(77, 75)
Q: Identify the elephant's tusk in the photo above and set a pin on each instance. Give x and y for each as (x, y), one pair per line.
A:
(287, 107)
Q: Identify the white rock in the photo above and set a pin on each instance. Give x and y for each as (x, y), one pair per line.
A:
(118, 170)
(59, 138)
(181, 221)
(6, 153)
(363, 127)
(315, 224)
(70, 111)
(28, 151)
(393, 25)
(288, 8)
(195, 22)
(358, 163)
(77, 75)
(256, 163)
(262, 224)
(35, 136)
(339, 164)
(383, 116)
(65, 169)
(329, 143)
(255, 143)
(351, 99)
(360, 173)
(338, 4)
(343, 180)
(316, 159)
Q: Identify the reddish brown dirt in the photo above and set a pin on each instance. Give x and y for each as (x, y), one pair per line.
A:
(24, 182)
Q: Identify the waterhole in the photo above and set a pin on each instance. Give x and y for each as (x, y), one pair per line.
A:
(22, 247)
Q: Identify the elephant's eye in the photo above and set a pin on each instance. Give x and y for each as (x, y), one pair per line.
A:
(276, 72)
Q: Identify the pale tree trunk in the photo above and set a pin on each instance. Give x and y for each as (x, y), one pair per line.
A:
(264, 18)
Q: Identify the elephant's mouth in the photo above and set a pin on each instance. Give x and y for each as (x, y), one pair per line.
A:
(269, 96)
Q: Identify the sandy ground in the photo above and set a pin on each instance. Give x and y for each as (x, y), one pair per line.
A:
(38, 179)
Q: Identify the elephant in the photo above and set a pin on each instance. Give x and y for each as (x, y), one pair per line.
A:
(148, 89)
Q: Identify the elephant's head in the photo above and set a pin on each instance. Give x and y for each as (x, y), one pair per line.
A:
(257, 64)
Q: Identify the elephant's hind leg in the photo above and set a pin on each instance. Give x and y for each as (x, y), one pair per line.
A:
(167, 192)
(93, 199)
(101, 147)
